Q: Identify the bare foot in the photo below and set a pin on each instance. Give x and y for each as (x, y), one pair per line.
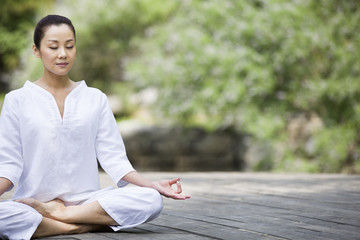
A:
(53, 209)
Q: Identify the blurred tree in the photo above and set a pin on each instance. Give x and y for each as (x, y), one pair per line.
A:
(16, 19)
(254, 66)
(104, 40)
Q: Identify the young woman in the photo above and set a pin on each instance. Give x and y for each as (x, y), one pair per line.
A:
(52, 131)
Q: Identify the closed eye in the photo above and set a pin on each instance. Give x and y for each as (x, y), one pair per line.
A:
(54, 48)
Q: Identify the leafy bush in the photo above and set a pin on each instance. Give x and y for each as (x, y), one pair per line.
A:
(16, 19)
(251, 65)
(104, 35)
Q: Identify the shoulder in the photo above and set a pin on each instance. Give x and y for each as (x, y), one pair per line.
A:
(16, 95)
(94, 91)
(13, 100)
(93, 94)
(89, 90)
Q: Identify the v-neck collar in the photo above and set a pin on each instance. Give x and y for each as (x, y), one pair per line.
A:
(51, 98)
(81, 84)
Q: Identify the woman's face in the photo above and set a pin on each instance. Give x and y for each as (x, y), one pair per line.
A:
(57, 49)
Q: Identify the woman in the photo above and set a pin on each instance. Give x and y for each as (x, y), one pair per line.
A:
(52, 131)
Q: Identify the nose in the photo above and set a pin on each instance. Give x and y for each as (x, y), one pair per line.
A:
(62, 52)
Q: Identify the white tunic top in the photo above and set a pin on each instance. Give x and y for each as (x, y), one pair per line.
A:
(52, 157)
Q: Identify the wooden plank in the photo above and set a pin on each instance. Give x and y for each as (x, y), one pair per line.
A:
(294, 204)
(276, 203)
(210, 230)
(157, 236)
(85, 236)
(270, 226)
(250, 215)
(126, 236)
(271, 205)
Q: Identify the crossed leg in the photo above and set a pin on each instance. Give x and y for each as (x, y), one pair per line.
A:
(59, 219)
(50, 227)
(138, 205)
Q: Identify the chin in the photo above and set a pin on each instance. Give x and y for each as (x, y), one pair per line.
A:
(60, 73)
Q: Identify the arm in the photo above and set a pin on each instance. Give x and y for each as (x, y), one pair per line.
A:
(111, 153)
(163, 187)
(11, 163)
(109, 145)
(5, 185)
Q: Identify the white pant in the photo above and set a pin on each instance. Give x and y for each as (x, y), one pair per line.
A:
(129, 207)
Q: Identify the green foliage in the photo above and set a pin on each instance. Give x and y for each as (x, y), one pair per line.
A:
(104, 35)
(332, 145)
(16, 19)
(2, 96)
(249, 65)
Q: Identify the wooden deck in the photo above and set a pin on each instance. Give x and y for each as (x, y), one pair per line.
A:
(252, 207)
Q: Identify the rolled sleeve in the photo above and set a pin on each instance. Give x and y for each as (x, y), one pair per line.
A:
(110, 148)
(11, 163)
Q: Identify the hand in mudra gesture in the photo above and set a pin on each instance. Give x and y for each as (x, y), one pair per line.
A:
(164, 187)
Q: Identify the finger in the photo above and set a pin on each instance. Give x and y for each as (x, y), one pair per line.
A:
(173, 181)
(180, 197)
(178, 186)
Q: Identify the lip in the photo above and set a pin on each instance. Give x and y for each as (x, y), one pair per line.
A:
(63, 64)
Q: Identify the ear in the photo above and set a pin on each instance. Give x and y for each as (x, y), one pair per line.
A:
(36, 51)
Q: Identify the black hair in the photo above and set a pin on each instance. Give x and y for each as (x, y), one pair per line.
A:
(48, 21)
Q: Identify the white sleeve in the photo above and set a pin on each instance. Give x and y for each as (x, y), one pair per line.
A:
(11, 161)
(110, 149)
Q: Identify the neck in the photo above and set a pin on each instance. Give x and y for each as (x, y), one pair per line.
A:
(55, 81)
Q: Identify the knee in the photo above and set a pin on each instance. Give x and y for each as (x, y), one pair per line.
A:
(155, 203)
(18, 220)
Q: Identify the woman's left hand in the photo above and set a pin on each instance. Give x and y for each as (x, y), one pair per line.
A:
(165, 188)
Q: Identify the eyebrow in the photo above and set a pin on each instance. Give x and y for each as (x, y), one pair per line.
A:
(69, 40)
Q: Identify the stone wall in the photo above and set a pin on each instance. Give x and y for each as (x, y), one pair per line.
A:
(184, 149)
(161, 148)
